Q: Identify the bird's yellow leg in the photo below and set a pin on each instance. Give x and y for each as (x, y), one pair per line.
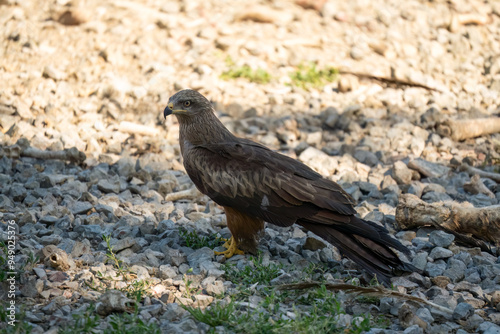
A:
(232, 248)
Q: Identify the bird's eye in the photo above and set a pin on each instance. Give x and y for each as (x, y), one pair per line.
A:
(187, 103)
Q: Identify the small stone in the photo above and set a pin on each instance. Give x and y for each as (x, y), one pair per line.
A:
(32, 288)
(175, 257)
(46, 182)
(203, 301)
(213, 287)
(51, 72)
(456, 270)
(495, 297)
(173, 312)
(463, 311)
(366, 157)
(5, 203)
(488, 328)
(357, 53)
(423, 281)
(17, 193)
(433, 197)
(434, 187)
(80, 208)
(441, 281)
(73, 16)
(348, 83)
(408, 318)
(119, 245)
(319, 160)
(284, 278)
(200, 255)
(400, 173)
(474, 289)
(403, 282)
(109, 186)
(112, 301)
(415, 329)
(428, 169)
(40, 272)
(432, 269)
(209, 268)
(424, 314)
(313, 244)
(441, 238)
(406, 235)
(440, 253)
(48, 220)
(50, 240)
(416, 188)
(90, 231)
(80, 248)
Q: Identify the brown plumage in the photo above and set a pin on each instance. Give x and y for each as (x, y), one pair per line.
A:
(255, 184)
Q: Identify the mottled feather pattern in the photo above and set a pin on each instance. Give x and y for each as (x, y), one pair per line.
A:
(236, 175)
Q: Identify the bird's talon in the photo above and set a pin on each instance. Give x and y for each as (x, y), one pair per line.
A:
(232, 249)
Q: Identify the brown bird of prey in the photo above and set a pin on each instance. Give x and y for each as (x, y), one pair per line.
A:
(255, 184)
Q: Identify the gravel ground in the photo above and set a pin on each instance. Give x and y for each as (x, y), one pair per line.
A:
(96, 75)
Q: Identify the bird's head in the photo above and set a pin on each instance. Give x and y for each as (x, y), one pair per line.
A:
(187, 103)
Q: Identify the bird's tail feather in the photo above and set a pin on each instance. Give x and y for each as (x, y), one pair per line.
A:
(370, 250)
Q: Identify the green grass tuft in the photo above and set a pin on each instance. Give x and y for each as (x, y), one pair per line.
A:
(86, 322)
(309, 76)
(21, 326)
(217, 314)
(258, 75)
(195, 241)
(123, 323)
(129, 324)
(251, 274)
(314, 312)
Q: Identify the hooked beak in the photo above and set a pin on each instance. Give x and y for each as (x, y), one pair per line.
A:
(169, 109)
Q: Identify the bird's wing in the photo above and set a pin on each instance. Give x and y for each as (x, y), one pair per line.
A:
(257, 181)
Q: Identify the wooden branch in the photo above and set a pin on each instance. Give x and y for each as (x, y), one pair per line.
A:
(476, 171)
(476, 186)
(184, 194)
(70, 154)
(375, 291)
(461, 129)
(22, 149)
(482, 223)
(391, 81)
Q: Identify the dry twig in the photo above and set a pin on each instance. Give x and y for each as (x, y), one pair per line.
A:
(476, 186)
(22, 149)
(391, 81)
(476, 171)
(375, 291)
(458, 20)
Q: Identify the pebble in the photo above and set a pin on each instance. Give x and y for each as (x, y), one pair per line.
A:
(441, 238)
(400, 173)
(440, 253)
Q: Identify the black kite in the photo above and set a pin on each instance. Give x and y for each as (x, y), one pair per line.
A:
(255, 184)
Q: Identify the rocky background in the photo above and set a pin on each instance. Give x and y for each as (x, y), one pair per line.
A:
(96, 231)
